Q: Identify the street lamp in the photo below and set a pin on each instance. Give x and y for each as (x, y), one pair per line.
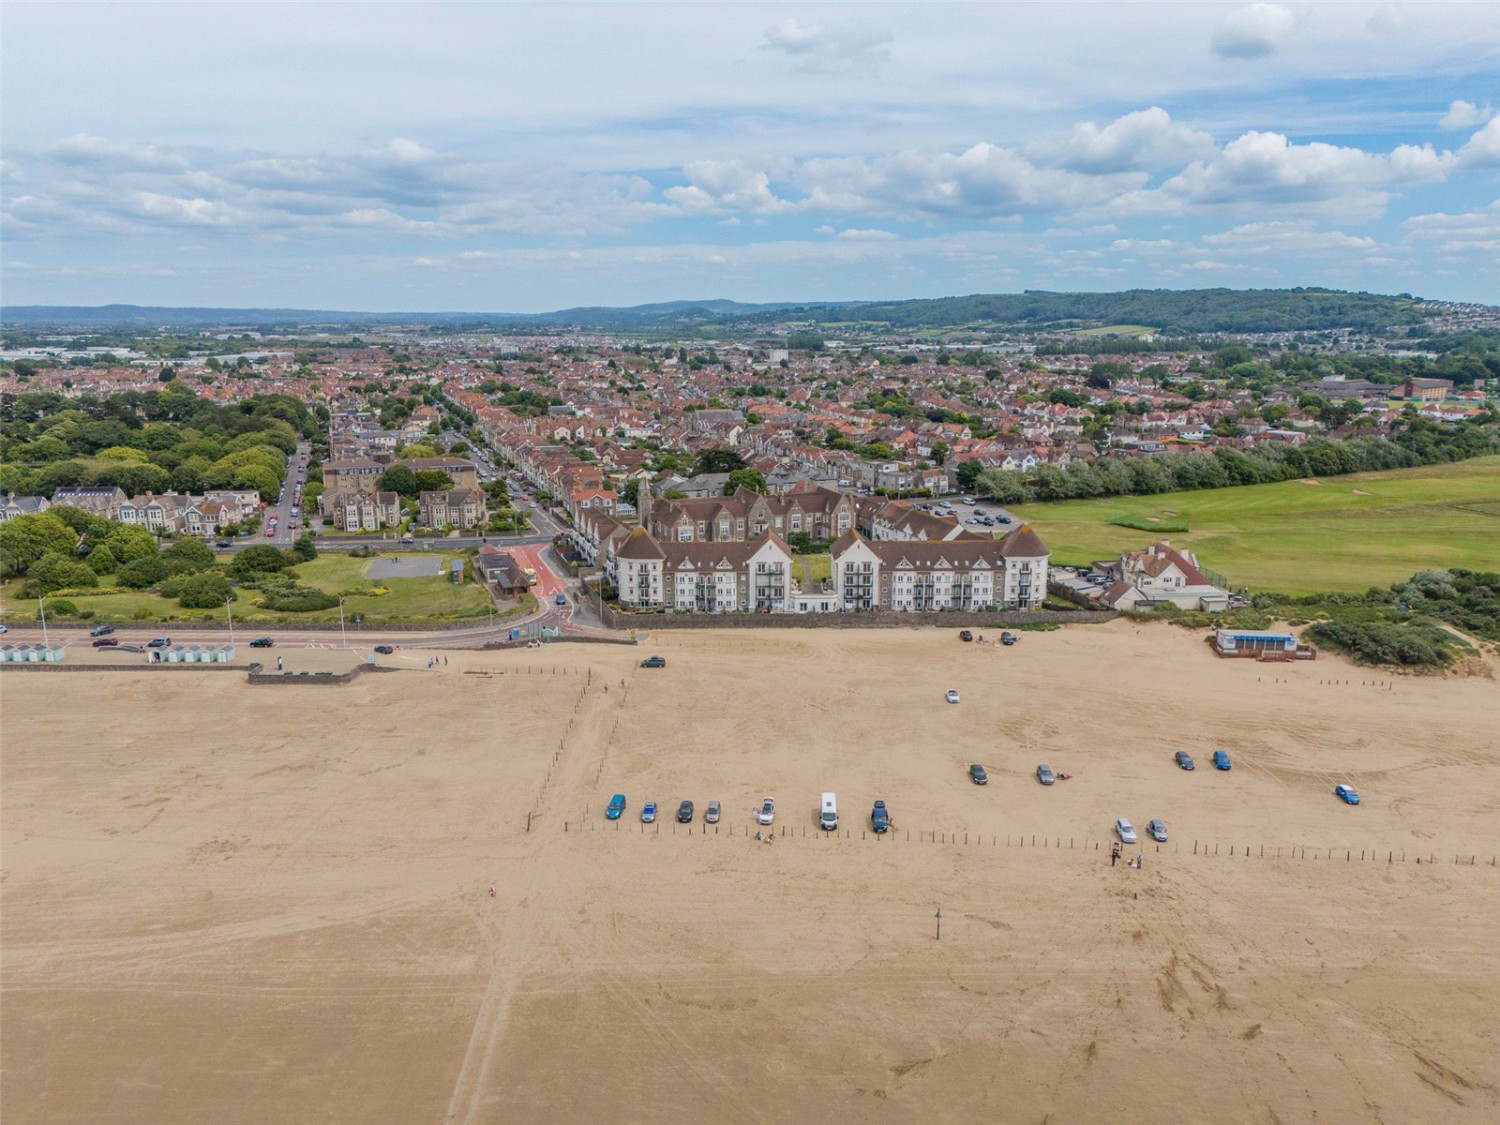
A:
(42, 613)
(343, 636)
(230, 612)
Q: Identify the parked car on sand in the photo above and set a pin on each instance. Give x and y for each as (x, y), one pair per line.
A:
(977, 774)
(767, 812)
(1045, 775)
(1346, 794)
(1183, 759)
(1157, 829)
(1125, 830)
(1221, 760)
(616, 807)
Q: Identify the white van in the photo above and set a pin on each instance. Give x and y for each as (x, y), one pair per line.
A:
(830, 818)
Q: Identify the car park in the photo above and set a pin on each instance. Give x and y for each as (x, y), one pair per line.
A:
(654, 662)
(767, 812)
(101, 630)
(880, 819)
(159, 642)
(711, 814)
(1157, 830)
(1125, 830)
(1346, 794)
(648, 813)
(977, 774)
(1183, 759)
(685, 812)
(952, 696)
(107, 642)
(1045, 775)
(616, 807)
(966, 634)
(384, 650)
(262, 642)
(1221, 760)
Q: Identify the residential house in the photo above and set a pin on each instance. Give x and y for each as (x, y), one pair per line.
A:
(703, 577)
(104, 502)
(358, 510)
(458, 507)
(1161, 575)
(960, 574)
(23, 506)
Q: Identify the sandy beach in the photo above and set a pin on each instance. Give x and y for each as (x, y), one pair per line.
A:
(234, 903)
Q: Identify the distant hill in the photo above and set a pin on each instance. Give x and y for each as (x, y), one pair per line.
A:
(640, 317)
(1186, 312)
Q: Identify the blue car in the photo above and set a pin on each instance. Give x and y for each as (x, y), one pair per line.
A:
(648, 813)
(1221, 760)
(1346, 794)
(616, 807)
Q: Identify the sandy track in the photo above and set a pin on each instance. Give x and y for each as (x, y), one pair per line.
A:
(235, 904)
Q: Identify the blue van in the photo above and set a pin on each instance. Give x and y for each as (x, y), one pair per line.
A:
(616, 807)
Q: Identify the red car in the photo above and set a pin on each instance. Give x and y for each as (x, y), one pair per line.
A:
(106, 642)
(270, 532)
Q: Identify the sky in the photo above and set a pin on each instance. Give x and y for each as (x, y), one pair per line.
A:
(525, 157)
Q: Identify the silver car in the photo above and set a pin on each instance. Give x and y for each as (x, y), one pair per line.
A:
(1125, 830)
(711, 816)
(1157, 829)
(767, 812)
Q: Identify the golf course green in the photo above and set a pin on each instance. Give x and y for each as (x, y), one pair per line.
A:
(1331, 533)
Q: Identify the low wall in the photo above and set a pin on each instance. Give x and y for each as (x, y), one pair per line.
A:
(870, 619)
(64, 666)
(305, 678)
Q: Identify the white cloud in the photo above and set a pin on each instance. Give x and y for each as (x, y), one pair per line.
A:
(1286, 237)
(1259, 169)
(1483, 148)
(1253, 32)
(1473, 231)
(1464, 115)
(429, 263)
(84, 149)
(868, 235)
(818, 47)
(1142, 141)
(726, 185)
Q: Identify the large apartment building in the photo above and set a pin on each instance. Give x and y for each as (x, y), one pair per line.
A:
(822, 513)
(756, 575)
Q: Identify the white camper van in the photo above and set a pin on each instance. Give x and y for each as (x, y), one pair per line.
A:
(830, 818)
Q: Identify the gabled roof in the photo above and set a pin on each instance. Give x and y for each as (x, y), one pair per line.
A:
(1023, 543)
(641, 546)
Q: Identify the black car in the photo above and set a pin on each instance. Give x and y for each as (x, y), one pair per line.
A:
(222, 545)
(159, 642)
(1007, 638)
(384, 650)
(685, 812)
(1183, 759)
(101, 630)
(262, 642)
(977, 774)
(654, 662)
(965, 635)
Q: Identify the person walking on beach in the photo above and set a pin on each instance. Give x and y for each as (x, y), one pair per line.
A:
(1114, 854)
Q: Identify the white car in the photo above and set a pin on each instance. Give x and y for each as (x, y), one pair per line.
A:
(767, 812)
(1126, 831)
(952, 696)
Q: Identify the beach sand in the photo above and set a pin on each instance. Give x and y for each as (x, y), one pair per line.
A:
(236, 903)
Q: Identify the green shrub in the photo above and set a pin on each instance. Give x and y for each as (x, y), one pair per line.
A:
(61, 607)
(1140, 523)
(1413, 644)
(297, 599)
(142, 573)
(206, 590)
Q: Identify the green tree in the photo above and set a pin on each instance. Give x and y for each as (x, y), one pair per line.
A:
(206, 590)
(940, 451)
(968, 473)
(26, 539)
(753, 479)
(400, 480)
(260, 559)
(142, 573)
(433, 480)
(719, 460)
(188, 556)
(306, 547)
(57, 571)
(102, 560)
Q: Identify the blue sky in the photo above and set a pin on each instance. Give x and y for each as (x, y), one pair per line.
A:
(478, 157)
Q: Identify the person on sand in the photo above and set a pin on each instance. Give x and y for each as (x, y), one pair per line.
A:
(492, 890)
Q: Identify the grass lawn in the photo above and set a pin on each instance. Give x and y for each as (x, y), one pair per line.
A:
(434, 598)
(821, 566)
(1341, 533)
